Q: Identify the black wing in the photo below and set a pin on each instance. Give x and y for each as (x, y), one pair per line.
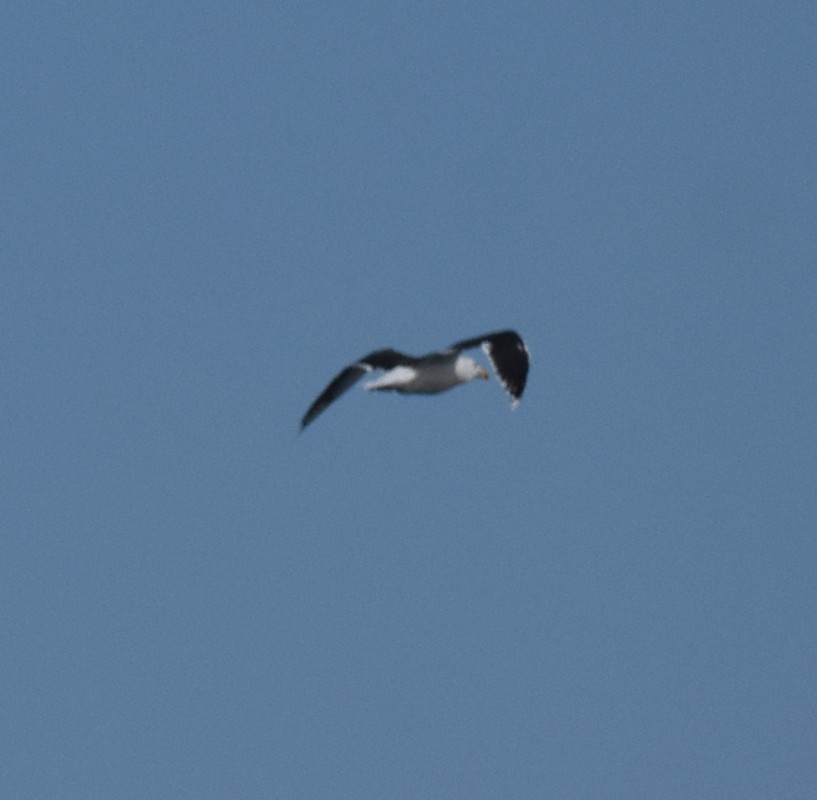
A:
(509, 358)
(346, 378)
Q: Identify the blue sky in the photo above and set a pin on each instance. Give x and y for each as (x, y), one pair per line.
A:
(208, 209)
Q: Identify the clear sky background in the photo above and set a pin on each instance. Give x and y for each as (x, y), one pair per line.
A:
(209, 208)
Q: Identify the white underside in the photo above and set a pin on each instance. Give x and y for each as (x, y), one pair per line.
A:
(429, 378)
(409, 380)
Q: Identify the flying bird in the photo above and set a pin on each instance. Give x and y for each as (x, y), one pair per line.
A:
(435, 372)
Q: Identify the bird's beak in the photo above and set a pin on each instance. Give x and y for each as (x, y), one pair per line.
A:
(483, 373)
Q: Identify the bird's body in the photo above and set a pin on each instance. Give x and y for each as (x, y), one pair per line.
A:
(435, 372)
(438, 373)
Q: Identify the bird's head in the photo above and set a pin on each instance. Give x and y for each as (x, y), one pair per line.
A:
(468, 369)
